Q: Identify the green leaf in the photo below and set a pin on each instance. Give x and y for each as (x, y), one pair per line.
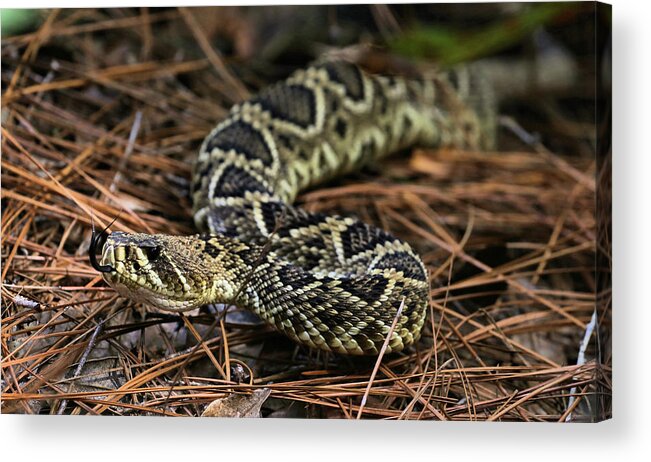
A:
(14, 20)
(448, 45)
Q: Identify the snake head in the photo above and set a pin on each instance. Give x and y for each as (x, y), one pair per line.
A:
(172, 273)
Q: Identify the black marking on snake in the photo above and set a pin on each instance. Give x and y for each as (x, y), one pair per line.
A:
(315, 242)
(271, 213)
(373, 285)
(297, 218)
(196, 184)
(333, 102)
(235, 182)
(341, 127)
(293, 273)
(407, 126)
(303, 154)
(392, 82)
(367, 151)
(408, 264)
(359, 237)
(293, 103)
(349, 76)
(286, 141)
(382, 102)
(244, 139)
(210, 248)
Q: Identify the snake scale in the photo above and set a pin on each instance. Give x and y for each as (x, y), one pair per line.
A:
(328, 282)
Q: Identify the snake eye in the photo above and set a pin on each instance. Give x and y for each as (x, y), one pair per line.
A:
(152, 252)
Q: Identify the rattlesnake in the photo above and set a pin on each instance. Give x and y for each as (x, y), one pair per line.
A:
(328, 282)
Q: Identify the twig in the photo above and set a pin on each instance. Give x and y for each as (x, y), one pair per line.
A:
(379, 358)
(581, 358)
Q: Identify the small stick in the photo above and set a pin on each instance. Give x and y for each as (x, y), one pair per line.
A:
(581, 358)
(379, 358)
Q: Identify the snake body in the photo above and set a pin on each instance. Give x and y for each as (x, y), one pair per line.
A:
(328, 282)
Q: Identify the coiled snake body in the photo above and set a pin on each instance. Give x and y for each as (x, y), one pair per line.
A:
(328, 282)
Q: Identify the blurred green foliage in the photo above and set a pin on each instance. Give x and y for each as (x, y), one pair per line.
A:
(14, 20)
(449, 45)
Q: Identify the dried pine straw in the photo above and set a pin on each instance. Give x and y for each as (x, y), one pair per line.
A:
(509, 238)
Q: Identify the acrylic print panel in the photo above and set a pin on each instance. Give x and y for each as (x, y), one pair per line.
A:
(404, 212)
